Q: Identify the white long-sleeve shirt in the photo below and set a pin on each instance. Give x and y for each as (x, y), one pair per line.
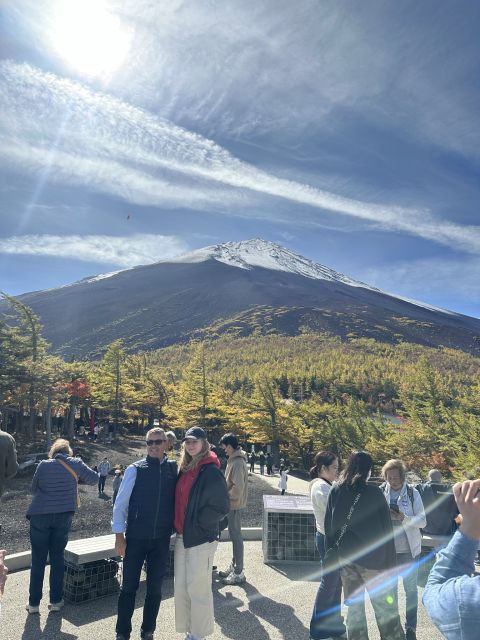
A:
(319, 490)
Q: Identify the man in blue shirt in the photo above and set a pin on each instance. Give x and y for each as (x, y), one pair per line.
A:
(452, 594)
(143, 523)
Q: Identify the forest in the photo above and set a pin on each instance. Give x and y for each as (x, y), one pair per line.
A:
(299, 394)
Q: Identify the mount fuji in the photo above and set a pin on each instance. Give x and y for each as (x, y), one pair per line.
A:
(237, 288)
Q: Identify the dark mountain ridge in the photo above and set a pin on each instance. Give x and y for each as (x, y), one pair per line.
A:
(216, 291)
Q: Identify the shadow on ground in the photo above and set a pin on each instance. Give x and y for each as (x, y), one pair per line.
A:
(51, 631)
(86, 613)
(307, 572)
(241, 619)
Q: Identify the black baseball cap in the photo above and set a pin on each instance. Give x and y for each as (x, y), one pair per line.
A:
(195, 433)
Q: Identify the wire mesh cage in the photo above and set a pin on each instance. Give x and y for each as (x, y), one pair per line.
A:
(91, 581)
(288, 530)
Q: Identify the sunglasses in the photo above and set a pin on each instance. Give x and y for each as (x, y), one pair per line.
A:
(150, 443)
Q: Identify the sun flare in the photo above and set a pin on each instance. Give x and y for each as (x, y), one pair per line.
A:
(89, 38)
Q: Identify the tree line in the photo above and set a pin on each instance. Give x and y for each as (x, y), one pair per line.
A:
(300, 394)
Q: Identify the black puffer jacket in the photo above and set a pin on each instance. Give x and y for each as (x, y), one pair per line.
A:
(208, 504)
(368, 537)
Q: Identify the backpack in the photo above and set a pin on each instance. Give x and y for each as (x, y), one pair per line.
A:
(383, 487)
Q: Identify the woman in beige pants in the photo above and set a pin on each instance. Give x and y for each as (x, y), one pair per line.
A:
(201, 502)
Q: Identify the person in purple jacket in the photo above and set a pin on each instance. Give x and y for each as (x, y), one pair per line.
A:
(452, 594)
(55, 495)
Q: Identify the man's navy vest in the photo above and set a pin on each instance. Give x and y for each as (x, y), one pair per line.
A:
(152, 502)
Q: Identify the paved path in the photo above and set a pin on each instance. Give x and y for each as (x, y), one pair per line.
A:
(275, 604)
(296, 486)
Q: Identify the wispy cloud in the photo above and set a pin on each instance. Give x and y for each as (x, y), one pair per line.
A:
(429, 279)
(398, 66)
(121, 251)
(113, 147)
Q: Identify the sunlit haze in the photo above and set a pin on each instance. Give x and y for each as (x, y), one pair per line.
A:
(88, 38)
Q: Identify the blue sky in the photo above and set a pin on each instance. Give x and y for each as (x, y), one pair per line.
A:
(349, 132)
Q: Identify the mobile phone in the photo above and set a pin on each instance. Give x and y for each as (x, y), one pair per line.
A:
(394, 507)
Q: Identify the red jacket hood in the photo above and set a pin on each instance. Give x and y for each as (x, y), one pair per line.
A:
(210, 458)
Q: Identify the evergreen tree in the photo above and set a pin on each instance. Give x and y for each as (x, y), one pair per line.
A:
(32, 347)
(111, 388)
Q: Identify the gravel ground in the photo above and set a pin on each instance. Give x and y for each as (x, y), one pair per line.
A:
(94, 515)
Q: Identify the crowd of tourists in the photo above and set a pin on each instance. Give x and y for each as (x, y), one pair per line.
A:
(369, 539)
(368, 536)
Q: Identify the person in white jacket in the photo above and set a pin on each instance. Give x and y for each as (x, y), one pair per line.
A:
(408, 517)
(282, 483)
(326, 620)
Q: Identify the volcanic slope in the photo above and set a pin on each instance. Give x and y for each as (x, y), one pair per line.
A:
(240, 288)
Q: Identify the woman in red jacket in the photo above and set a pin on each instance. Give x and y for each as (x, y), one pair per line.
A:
(201, 502)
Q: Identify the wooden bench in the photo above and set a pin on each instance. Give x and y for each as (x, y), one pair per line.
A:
(430, 541)
(93, 568)
(90, 549)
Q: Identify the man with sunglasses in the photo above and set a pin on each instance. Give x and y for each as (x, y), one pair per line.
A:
(143, 522)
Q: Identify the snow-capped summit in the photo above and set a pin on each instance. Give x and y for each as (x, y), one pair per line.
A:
(266, 289)
(269, 255)
(248, 254)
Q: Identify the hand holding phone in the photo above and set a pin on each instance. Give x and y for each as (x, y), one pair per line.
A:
(467, 495)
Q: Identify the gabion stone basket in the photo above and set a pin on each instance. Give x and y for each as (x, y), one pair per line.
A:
(90, 581)
(288, 530)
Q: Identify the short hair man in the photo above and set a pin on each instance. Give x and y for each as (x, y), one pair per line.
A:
(434, 475)
(452, 594)
(103, 471)
(8, 457)
(236, 475)
(147, 495)
(172, 439)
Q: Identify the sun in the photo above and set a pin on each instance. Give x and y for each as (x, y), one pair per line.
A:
(90, 39)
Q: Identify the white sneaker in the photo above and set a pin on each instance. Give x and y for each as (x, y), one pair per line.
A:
(227, 572)
(235, 578)
(31, 609)
(56, 606)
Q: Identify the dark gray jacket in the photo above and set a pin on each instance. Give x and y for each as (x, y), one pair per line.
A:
(368, 538)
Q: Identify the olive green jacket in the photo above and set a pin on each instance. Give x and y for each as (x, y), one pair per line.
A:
(8, 458)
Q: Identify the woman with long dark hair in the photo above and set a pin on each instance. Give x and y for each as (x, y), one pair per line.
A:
(359, 539)
(55, 500)
(327, 621)
(201, 502)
